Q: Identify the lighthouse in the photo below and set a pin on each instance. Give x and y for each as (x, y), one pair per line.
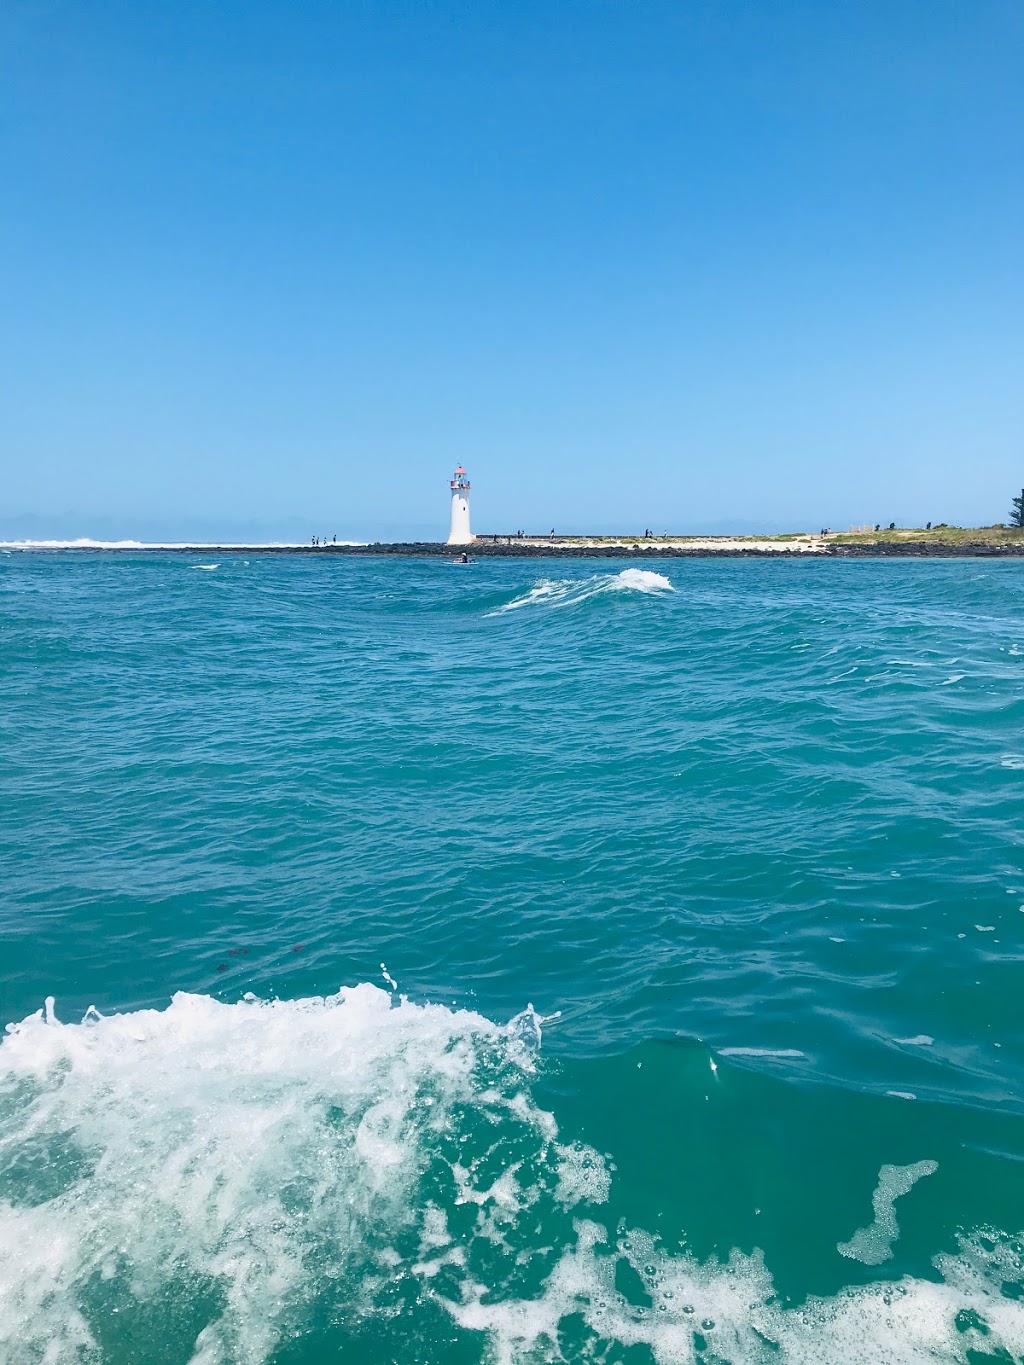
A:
(460, 532)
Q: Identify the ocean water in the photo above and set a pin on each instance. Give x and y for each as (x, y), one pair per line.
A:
(521, 962)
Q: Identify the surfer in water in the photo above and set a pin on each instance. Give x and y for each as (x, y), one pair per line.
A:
(464, 558)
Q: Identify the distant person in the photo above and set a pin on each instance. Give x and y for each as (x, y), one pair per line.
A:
(334, 540)
(465, 558)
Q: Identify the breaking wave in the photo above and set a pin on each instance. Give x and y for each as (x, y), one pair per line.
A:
(264, 1170)
(566, 592)
(85, 543)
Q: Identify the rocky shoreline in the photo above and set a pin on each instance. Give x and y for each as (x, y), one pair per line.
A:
(878, 550)
(512, 549)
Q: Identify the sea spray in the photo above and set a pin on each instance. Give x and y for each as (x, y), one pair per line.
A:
(223, 1177)
(263, 1153)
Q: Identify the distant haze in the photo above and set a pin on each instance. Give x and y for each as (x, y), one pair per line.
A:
(271, 271)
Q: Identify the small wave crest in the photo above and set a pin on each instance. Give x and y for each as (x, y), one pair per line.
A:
(252, 1167)
(567, 592)
(81, 543)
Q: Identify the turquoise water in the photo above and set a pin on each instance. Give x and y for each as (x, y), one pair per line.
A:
(702, 887)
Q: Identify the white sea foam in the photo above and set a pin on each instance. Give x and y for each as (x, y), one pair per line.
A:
(204, 566)
(873, 1244)
(223, 1143)
(85, 543)
(255, 1159)
(82, 543)
(731, 1312)
(565, 592)
(784, 1052)
(582, 1175)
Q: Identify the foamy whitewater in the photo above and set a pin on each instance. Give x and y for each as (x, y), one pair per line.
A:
(85, 543)
(568, 592)
(747, 834)
(353, 1153)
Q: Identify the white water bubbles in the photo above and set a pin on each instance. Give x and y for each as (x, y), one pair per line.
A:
(260, 1153)
(256, 1162)
(873, 1244)
(731, 1311)
(583, 1175)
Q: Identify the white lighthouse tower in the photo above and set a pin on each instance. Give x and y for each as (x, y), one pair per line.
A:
(460, 532)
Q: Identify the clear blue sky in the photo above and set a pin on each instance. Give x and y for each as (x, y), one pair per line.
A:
(275, 267)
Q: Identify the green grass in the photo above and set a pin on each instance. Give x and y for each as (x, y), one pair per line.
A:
(937, 535)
